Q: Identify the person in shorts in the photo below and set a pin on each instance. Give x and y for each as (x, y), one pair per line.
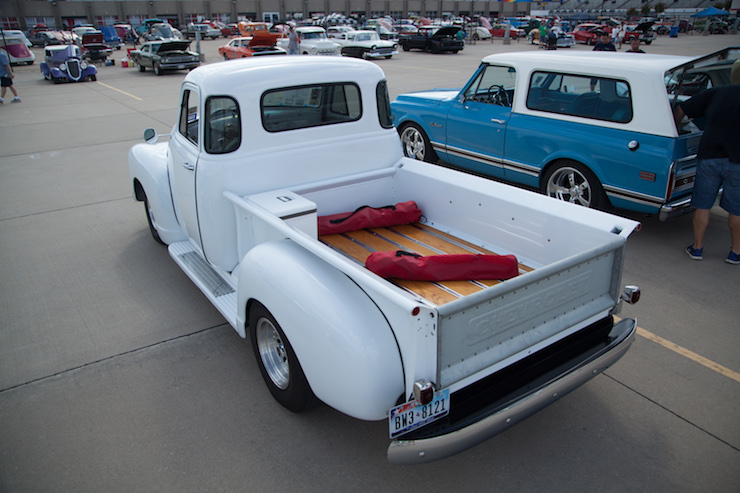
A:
(6, 78)
(718, 161)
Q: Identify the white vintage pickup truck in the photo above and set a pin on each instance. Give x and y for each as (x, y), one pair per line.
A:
(264, 148)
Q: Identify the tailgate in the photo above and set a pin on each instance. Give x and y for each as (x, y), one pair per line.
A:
(494, 328)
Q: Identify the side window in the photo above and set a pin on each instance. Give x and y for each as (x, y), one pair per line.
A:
(297, 107)
(223, 129)
(494, 85)
(384, 105)
(189, 115)
(599, 98)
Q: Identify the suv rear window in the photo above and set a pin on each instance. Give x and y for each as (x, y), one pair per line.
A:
(297, 107)
(594, 97)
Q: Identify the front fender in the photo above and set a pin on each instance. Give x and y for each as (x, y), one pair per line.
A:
(343, 341)
(147, 165)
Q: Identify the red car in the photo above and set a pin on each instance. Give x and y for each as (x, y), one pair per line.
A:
(589, 33)
(256, 45)
(499, 31)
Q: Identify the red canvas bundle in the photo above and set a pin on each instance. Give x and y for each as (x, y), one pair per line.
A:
(404, 265)
(370, 217)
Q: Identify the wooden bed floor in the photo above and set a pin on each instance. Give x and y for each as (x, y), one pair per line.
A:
(420, 239)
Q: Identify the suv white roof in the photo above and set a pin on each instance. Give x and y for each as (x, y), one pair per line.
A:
(590, 62)
(644, 73)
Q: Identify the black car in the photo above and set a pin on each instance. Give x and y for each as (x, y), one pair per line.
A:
(434, 39)
(165, 55)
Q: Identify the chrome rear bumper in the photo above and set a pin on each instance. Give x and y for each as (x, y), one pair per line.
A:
(435, 448)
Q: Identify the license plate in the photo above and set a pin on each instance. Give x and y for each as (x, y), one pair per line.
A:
(181, 67)
(407, 417)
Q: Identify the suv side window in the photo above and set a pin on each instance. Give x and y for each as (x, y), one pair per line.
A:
(189, 115)
(494, 85)
(599, 98)
(297, 107)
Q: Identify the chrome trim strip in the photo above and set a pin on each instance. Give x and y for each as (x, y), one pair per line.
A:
(431, 449)
(636, 197)
(486, 159)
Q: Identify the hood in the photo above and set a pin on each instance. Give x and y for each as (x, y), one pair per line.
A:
(263, 39)
(93, 38)
(447, 31)
(174, 45)
(644, 26)
(433, 96)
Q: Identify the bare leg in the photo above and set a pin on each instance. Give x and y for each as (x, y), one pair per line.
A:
(701, 222)
(734, 223)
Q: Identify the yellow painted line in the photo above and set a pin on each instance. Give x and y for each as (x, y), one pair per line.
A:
(689, 354)
(122, 92)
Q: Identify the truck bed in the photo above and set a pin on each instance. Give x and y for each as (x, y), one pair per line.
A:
(420, 239)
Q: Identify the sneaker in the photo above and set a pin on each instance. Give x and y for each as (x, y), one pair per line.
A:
(733, 258)
(1, 100)
(694, 253)
(16, 100)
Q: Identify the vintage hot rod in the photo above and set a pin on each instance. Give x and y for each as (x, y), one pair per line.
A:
(65, 63)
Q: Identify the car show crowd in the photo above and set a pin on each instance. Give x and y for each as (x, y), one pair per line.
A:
(335, 33)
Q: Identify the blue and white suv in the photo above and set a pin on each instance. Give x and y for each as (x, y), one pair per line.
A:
(592, 128)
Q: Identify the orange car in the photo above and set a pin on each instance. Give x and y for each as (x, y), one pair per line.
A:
(257, 45)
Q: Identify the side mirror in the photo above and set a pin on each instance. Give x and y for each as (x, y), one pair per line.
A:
(151, 136)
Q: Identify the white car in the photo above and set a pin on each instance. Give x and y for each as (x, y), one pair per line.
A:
(338, 31)
(18, 33)
(367, 44)
(313, 41)
(480, 32)
(206, 31)
(16, 49)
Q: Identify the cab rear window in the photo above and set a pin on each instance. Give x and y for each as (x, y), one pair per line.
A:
(313, 105)
(599, 98)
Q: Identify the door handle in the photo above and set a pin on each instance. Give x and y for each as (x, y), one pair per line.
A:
(188, 166)
(496, 120)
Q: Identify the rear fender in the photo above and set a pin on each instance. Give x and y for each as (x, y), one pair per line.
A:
(148, 171)
(343, 341)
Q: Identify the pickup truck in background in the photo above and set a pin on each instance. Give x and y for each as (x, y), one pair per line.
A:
(313, 41)
(265, 149)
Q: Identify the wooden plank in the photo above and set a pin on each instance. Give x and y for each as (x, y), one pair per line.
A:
(474, 248)
(423, 240)
(427, 290)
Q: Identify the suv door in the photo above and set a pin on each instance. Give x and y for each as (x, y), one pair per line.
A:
(476, 123)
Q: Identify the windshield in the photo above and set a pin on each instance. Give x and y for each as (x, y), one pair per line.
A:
(314, 35)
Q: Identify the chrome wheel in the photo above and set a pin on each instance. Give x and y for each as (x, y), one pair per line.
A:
(278, 363)
(572, 182)
(415, 144)
(272, 353)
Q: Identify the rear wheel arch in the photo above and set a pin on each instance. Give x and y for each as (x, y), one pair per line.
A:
(416, 143)
(588, 185)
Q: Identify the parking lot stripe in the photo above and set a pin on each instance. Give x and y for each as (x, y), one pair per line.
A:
(689, 354)
(122, 92)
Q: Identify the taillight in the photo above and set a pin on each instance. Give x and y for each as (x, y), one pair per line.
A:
(671, 180)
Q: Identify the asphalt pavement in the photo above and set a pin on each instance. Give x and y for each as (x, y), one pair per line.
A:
(117, 375)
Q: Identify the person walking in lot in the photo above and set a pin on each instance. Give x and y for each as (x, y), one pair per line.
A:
(718, 160)
(293, 42)
(634, 46)
(605, 44)
(6, 79)
(615, 37)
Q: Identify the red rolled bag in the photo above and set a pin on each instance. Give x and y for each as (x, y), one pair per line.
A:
(370, 217)
(405, 265)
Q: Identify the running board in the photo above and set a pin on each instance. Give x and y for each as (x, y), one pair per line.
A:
(217, 289)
